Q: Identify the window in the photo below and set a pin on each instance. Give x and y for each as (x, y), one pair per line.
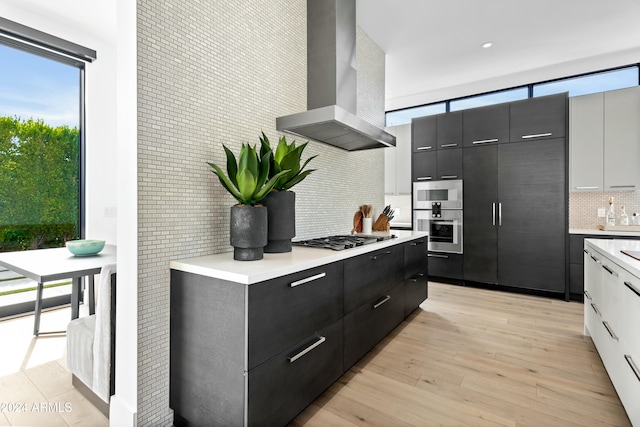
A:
(489, 99)
(401, 117)
(40, 163)
(591, 83)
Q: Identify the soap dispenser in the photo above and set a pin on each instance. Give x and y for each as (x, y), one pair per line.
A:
(611, 215)
(624, 218)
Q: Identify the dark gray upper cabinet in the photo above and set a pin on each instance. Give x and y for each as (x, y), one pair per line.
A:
(485, 125)
(480, 216)
(449, 130)
(423, 134)
(542, 117)
(532, 191)
(424, 166)
(449, 164)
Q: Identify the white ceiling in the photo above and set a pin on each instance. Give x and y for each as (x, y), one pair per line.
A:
(433, 47)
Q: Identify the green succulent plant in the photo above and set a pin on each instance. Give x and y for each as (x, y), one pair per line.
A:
(286, 157)
(246, 179)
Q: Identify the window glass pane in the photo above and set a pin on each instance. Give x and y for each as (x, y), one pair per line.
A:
(401, 117)
(583, 85)
(489, 99)
(39, 161)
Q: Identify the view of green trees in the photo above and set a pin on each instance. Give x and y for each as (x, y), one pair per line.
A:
(38, 184)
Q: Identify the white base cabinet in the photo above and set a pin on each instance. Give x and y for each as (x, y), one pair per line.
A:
(612, 315)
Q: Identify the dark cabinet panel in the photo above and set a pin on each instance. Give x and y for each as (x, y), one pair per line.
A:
(424, 166)
(445, 265)
(485, 125)
(367, 276)
(449, 130)
(415, 257)
(282, 311)
(449, 164)
(367, 325)
(481, 214)
(576, 279)
(423, 134)
(542, 117)
(279, 389)
(415, 292)
(532, 194)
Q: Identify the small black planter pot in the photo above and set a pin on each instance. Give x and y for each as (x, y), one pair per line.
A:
(248, 232)
(281, 210)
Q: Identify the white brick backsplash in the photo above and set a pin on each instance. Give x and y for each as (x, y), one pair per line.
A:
(213, 73)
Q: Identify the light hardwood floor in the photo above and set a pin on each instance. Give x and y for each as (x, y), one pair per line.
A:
(35, 386)
(476, 357)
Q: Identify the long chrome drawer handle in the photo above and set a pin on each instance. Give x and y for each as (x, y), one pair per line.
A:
(379, 303)
(622, 186)
(587, 188)
(613, 273)
(375, 257)
(424, 178)
(448, 145)
(449, 176)
(424, 148)
(320, 340)
(594, 258)
(417, 242)
(307, 280)
(485, 141)
(437, 256)
(536, 135)
(608, 328)
(586, 294)
(632, 365)
(633, 288)
(586, 252)
(595, 309)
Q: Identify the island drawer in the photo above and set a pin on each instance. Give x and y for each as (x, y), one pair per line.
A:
(367, 276)
(415, 257)
(366, 326)
(286, 384)
(285, 310)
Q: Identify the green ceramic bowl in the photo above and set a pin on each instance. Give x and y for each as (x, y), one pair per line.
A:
(85, 247)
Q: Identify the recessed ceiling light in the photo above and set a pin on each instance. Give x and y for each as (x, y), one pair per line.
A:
(486, 45)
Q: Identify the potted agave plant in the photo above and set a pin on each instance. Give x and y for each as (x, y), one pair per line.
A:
(280, 201)
(248, 180)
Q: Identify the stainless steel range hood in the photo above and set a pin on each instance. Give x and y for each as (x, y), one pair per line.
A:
(331, 82)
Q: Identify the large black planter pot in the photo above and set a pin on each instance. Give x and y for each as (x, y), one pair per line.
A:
(248, 232)
(281, 210)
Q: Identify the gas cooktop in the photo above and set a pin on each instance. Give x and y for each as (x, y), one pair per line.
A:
(338, 243)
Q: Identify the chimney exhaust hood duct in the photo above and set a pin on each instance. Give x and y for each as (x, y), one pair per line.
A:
(331, 82)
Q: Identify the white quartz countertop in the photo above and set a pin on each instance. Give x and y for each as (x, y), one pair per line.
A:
(603, 233)
(223, 266)
(611, 249)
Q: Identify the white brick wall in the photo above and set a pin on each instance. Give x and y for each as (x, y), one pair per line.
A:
(213, 72)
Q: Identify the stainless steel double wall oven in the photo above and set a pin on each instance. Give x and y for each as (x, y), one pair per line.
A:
(437, 209)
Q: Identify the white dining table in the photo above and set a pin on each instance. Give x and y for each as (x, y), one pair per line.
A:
(46, 265)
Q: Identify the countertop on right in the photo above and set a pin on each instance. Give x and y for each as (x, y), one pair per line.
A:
(603, 233)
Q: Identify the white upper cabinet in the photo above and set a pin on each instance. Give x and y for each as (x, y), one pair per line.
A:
(604, 141)
(622, 139)
(586, 143)
(397, 162)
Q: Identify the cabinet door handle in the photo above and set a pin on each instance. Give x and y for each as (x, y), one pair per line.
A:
(594, 258)
(416, 277)
(493, 210)
(608, 328)
(536, 135)
(417, 242)
(425, 148)
(633, 288)
(382, 301)
(448, 145)
(306, 280)
(622, 186)
(613, 273)
(484, 141)
(424, 178)
(595, 309)
(500, 214)
(587, 188)
(586, 294)
(586, 252)
(437, 256)
(449, 176)
(632, 365)
(375, 257)
(316, 343)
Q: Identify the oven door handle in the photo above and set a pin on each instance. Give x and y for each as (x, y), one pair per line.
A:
(493, 211)
(500, 214)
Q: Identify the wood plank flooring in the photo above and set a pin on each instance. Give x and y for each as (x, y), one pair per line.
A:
(476, 357)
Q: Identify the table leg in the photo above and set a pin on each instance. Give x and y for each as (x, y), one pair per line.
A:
(92, 298)
(38, 309)
(75, 297)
